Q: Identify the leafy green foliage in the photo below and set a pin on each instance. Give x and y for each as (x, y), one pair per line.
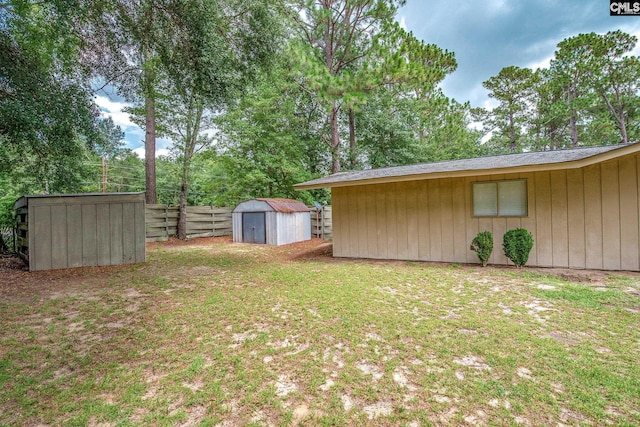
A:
(517, 245)
(482, 244)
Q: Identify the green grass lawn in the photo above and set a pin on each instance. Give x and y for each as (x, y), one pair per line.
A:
(240, 335)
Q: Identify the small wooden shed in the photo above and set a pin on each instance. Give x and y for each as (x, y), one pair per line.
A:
(77, 230)
(271, 221)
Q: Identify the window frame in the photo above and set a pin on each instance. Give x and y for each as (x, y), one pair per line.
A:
(497, 184)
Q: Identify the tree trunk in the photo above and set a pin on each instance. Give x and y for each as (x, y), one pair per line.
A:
(335, 138)
(182, 215)
(512, 134)
(150, 149)
(352, 138)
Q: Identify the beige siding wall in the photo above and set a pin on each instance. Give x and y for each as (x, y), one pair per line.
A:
(581, 218)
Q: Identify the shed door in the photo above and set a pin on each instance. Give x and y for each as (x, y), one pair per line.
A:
(253, 227)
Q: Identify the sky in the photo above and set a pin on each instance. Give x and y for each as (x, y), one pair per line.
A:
(484, 35)
(488, 35)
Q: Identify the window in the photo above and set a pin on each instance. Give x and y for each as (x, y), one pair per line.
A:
(500, 198)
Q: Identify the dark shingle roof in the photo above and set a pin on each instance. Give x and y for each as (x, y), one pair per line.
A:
(468, 166)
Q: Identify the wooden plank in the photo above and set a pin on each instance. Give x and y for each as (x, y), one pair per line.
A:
(392, 220)
(362, 231)
(103, 241)
(40, 226)
(559, 218)
(610, 215)
(128, 233)
(575, 209)
(59, 236)
(499, 227)
(544, 237)
(422, 200)
(472, 227)
(446, 220)
(400, 190)
(629, 214)
(337, 200)
(369, 221)
(116, 242)
(435, 222)
(529, 222)
(89, 235)
(593, 216)
(412, 214)
(381, 221)
(460, 243)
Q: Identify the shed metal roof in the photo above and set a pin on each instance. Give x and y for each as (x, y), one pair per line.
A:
(507, 163)
(285, 205)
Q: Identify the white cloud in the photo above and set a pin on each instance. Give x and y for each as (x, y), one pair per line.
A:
(159, 152)
(114, 109)
(544, 63)
(403, 22)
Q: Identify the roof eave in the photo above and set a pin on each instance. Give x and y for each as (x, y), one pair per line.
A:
(574, 164)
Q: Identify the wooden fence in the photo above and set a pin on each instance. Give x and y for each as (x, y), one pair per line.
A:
(321, 223)
(208, 221)
(202, 221)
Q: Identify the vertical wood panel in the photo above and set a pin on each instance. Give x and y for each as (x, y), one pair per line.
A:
(115, 233)
(610, 215)
(593, 216)
(413, 238)
(499, 227)
(471, 221)
(339, 212)
(575, 209)
(129, 233)
(363, 247)
(140, 232)
(629, 214)
(372, 235)
(89, 235)
(40, 259)
(424, 237)
(543, 237)
(529, 222)
(103, 243)
(403, 238)
(559, 219)
(352, 222)
(74, 236)
(381, 221)
(460, 242)
(392, 220)
(446, 219)
(59, 236)
(435, 221)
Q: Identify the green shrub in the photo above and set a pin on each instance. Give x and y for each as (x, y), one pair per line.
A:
(517, 244)
(482, 244)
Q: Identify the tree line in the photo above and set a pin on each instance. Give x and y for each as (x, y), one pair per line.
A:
(258, 95)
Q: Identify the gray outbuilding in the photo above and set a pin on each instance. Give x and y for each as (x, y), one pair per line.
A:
(77, 230)
(271, 221)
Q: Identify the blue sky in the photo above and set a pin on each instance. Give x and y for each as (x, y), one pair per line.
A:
(485, 35)
(488, 35)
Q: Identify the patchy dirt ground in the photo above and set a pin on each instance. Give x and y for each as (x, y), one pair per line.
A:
(210, 331)
(17, 282)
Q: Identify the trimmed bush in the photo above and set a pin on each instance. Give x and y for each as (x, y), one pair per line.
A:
(482, 244)
(517, 244)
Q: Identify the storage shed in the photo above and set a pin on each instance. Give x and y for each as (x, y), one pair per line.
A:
(77, 230)
(271, 221)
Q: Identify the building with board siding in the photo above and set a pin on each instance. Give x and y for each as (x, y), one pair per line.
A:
(581, 205)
